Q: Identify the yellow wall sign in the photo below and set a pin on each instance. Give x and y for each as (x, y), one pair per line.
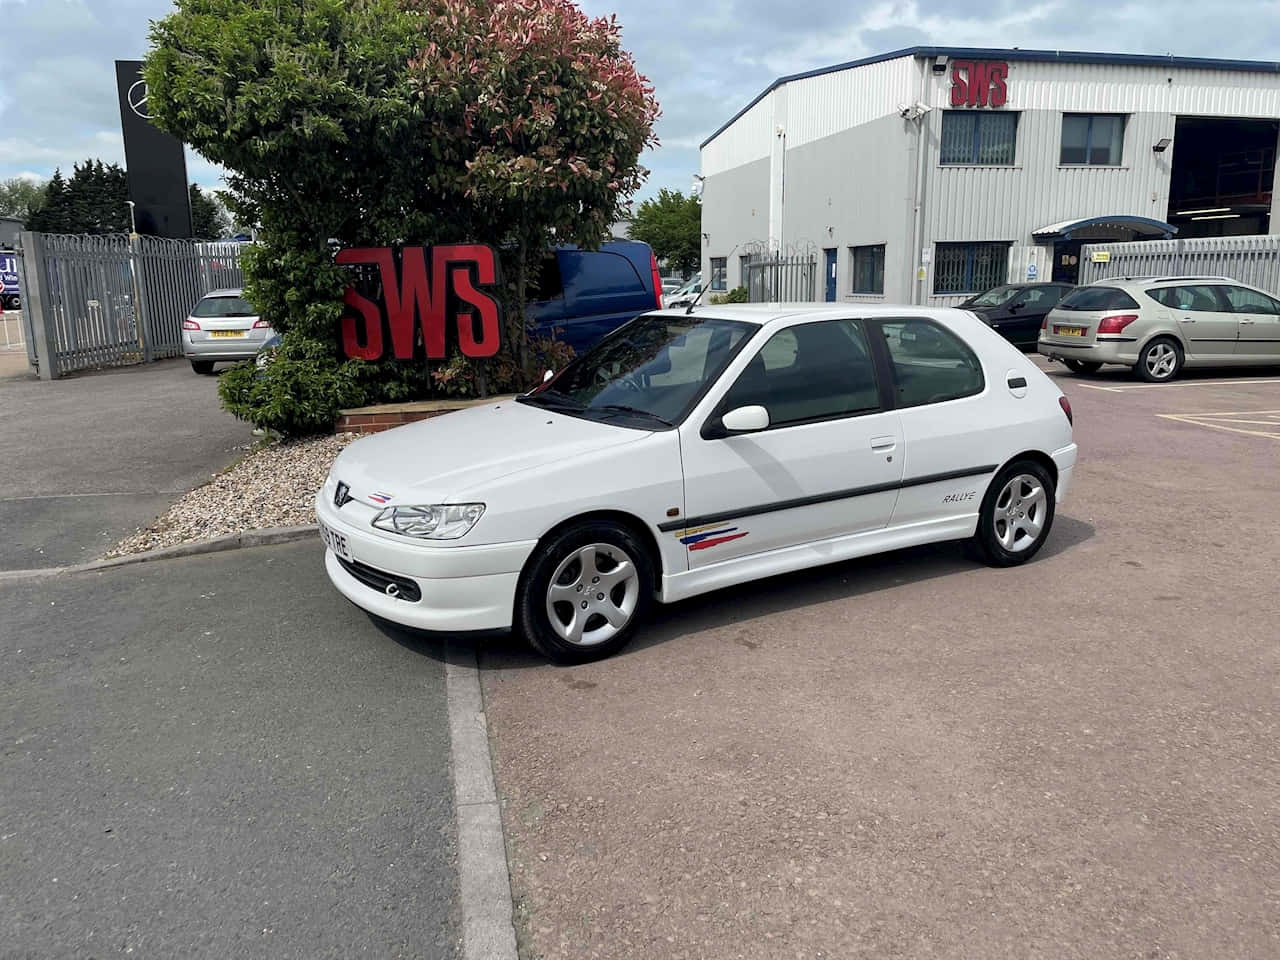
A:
(1101, 256)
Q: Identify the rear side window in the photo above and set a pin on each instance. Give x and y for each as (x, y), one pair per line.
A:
(546, 285)
(1098, 298)
(223, 307)
(930, 364)
(1192, 299)
(589, 274)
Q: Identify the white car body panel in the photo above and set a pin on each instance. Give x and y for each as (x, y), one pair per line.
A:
(869, 483)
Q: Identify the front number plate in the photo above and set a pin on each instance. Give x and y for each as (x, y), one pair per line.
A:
(1068, 331)
(336, 542)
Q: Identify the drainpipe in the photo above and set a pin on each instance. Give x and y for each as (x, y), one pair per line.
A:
(917, 228)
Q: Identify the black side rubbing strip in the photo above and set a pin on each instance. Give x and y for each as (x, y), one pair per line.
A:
(809, 501)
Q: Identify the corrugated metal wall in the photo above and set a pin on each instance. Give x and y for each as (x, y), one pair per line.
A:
(1250, 259)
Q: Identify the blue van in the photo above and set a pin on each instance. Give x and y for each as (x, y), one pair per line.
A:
(11, 295)
(581, 295)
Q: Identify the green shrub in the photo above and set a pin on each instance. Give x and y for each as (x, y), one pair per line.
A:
(736, 295)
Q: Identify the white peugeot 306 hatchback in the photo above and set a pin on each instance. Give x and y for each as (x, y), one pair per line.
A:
(689, 451)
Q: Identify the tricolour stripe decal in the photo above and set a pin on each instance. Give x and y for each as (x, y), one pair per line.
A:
(708, 520)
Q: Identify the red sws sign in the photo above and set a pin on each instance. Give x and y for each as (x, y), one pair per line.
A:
(410, 303)
(976, 83)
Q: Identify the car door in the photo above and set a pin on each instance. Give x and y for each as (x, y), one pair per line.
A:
(1203, 319)
(1258, 317)
(948, 419)
(828, 464)
(1027, 311)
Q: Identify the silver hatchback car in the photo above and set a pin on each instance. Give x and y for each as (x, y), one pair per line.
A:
(223, 326)
(1158, 325)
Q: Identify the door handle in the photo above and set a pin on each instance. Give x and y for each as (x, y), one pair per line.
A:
(1246, 320)
(1187, 319)
(883, 443)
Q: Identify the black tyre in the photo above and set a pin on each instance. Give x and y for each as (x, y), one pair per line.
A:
(582, 595)
(202, 366)
(1083, 366)
(1160, 360)
(1016, 514)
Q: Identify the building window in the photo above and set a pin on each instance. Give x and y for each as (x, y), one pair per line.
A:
(969, 267)
(987, 138)
(868, 269)
(718, 267)
(1092, 140)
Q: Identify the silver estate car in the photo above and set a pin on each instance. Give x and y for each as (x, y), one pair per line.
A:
(1158, 325)
(223, 326)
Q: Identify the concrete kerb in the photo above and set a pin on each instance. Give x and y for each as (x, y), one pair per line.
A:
(231, 541)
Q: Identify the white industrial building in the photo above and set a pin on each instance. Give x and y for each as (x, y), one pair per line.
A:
(931, 173)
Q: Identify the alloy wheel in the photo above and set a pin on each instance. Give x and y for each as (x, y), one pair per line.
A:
(1161, 361)
(1020, 513)
(592, 595)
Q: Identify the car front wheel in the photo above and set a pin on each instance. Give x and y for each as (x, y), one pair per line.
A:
(1016, 514)
(583, 594)
(1159, 361)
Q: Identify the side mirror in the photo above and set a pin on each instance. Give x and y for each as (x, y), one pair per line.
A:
(1015, 307)
(746, 419)
(548, 375)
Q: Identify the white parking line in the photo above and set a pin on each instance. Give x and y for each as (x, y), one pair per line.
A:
(484, 884)
(1180, 383)
(1220, 421)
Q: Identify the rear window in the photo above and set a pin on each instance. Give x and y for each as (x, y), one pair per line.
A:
(224, 307)
(596, 274)
(1098, 298)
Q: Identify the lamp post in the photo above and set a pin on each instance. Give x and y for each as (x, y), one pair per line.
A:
(133, 223)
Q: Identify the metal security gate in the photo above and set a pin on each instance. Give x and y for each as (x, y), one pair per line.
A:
(110, 301)
(1254, 260)
(781, 279)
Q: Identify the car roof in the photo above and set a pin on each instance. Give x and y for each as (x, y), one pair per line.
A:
(1168, 278)
(763, 314)
(224, 292)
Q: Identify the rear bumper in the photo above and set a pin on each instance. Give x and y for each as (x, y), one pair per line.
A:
(1065, 460)
(1100, 351)
(208, 348)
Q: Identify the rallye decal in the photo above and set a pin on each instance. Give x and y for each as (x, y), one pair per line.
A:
(703, 538)
(380, 497)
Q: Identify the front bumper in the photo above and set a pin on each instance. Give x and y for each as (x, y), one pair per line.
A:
(1099, 351)
(463, 588)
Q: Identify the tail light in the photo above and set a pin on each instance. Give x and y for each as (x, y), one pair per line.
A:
(261, 324)
(657, 279)
(189, 324)
(1044, 324)
(1065, 404)
(1117, 323)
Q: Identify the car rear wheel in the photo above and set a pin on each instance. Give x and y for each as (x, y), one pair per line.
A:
(1083, 366)
(583, 594)
(202, 366)
(1016, 514)
(1160, 360)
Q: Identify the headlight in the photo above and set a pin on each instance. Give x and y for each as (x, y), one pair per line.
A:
(438, 521)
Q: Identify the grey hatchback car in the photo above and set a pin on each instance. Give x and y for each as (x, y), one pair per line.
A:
(1158, 325)
(223, 326)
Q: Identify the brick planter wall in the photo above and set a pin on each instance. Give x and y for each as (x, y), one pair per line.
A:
(387, 415)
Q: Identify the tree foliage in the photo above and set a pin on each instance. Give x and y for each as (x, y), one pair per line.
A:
(374, 122)
(671, 223)
(209, 219)
(93, 201)
(20, 197)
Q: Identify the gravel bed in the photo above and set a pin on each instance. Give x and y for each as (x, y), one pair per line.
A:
(273, 486)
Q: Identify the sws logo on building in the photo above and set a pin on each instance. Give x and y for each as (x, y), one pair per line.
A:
(408, 304)
(976, 83)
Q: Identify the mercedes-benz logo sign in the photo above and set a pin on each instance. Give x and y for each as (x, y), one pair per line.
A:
(138, 99)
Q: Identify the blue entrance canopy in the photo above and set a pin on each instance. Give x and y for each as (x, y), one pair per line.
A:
(1120, 227)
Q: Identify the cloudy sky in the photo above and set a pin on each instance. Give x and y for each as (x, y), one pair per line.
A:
(707, 58)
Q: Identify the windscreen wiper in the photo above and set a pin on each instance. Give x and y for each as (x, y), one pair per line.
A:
(623, 408)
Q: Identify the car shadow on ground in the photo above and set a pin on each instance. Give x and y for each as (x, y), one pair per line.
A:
(746, 601)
